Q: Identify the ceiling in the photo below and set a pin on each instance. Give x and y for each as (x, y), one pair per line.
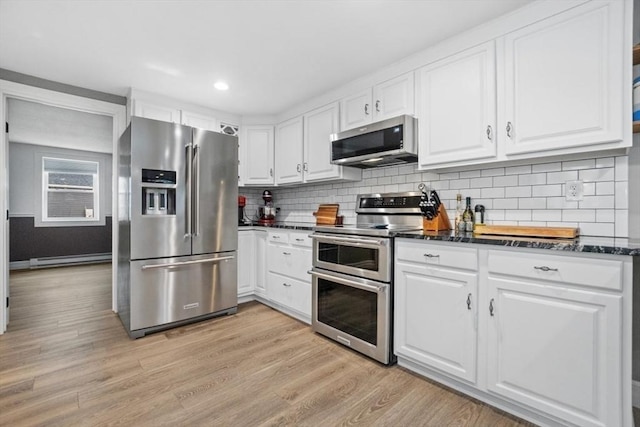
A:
(274, 54)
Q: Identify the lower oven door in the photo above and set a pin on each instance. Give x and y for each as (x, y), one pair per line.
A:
(353, 311)
(361, 256)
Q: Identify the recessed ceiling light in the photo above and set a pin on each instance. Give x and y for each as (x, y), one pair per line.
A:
(221, 85)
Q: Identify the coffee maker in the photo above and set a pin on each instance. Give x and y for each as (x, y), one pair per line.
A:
(267, 213)
(242, 202)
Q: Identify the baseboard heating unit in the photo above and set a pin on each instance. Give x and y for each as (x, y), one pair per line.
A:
(60, 261)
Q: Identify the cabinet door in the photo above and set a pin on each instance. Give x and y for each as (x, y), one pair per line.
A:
(435, 318)
(246, 262)
(199, 121)
(155, 112)
(556, 349)
(393, 97)
(289, 143)
(356, 110)
(261, 262)
(457, 107)
(256, 155)
(318, 127)
(290, 293)
(563, 82)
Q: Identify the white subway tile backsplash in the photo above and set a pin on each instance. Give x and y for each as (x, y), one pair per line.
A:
(579, 215)
(546, 167)
(522, 191)
(513, 195)
(579, 164)
(597, 202)
(532, 179)
(504, 181)
(561, 177)
(546, 190)
(604, 174)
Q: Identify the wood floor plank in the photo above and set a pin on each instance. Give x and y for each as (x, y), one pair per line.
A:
(66, 360)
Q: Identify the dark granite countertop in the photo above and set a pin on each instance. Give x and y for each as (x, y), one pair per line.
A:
(307, 226)
(590, 244)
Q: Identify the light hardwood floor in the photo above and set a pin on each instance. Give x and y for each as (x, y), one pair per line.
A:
(66, 360)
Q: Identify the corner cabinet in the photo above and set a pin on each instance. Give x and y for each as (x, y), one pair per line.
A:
(546, 336)
(388, 99)
(456, 103)
(256, 161)
(303, 149)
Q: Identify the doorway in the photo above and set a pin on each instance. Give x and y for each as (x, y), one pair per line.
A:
(10, 91)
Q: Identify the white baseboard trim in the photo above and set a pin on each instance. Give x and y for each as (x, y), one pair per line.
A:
(635, 393)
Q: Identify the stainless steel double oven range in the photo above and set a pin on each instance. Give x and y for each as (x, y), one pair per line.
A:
(352, 275)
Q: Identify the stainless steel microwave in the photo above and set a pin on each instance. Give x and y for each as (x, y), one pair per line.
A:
(385, 143)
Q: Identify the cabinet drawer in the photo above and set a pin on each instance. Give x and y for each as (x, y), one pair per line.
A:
(278, 237)
(289, 292)
(300, 239)
(599, 273)
(441, 255)
(290, 261)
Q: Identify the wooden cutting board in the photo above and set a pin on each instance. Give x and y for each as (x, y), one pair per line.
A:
(327, 214)
(525, 231)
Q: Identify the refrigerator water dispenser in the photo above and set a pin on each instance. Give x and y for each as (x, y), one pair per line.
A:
(158, 192)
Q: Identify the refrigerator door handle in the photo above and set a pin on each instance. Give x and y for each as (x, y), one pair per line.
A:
(183, 263)
(188, 149)
(196, 181)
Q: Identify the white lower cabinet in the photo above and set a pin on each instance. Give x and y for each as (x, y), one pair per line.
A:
(261, 262)
(436, 312)
(544, 336)
(246, 262)
(288, 285)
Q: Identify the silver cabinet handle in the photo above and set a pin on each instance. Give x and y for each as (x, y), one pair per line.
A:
(509, 129)
(305, 167)
(491, 307)
(286, 284)
(299, 240)
(469, 302)
(270, 171)
(286, 253)
(275, 237)
(366, 109)
(489, 133)
(377, 105)
(545, 268)
(299, 168)
(432, 256)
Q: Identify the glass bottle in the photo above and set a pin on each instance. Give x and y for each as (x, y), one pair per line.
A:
(459, 210)
(467, 216)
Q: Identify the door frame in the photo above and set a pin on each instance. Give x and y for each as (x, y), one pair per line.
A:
(117, 112)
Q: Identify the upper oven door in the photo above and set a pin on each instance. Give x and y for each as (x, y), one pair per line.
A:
(360, 256)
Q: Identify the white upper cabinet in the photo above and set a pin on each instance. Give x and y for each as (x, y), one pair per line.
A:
(563, 80)
(388, 99)
(155, 111)
(201, 121)
(457, 107)
(256, 165)
(303, 149)
(289, 158)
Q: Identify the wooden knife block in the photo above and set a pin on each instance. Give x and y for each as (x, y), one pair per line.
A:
(439, 223)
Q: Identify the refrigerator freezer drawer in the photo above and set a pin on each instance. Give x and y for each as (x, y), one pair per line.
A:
(175, 289)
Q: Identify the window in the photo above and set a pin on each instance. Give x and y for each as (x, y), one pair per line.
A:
(70, 190)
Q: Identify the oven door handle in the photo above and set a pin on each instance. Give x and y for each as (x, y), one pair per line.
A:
(353, 284)
(332, 239)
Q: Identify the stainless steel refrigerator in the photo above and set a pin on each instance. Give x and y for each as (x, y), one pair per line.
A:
(178, 190)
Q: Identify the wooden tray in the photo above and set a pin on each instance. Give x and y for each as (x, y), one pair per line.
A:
(518, 230)
(327, 214)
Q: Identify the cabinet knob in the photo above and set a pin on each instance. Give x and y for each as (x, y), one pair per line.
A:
(286, 284)
(286, 253)
(545, 268)
(377, 106)
(491, 307)
(270, 171)
(366, 109)
(305, 167)
(469, 302)
(489, 133)
(509, 129)
(299, 168)
(431, 256)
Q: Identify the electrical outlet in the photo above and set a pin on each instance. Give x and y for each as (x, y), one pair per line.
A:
(573, 190)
